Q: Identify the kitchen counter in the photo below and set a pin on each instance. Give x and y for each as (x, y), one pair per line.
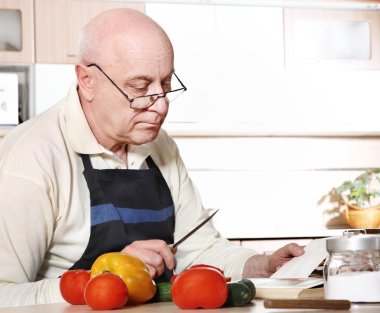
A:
(167, 307)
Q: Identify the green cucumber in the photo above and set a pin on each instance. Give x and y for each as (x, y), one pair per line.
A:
(163, 292)
(249, 283)
(240, 293)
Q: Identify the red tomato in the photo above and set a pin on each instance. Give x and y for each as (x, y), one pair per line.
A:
(199, 287)
(72, 285)
(206, 265)
(106, 292)
(228, 279)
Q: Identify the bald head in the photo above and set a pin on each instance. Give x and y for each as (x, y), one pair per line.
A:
(134, 58)
(119, 31)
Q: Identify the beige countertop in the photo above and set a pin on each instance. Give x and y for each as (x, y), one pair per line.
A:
(256, 307)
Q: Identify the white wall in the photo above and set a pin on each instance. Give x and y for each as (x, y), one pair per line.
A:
(52, 82)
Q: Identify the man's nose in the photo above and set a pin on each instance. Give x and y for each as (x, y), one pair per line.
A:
(160, 103)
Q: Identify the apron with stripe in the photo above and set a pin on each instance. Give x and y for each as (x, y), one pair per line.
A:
(126, 205)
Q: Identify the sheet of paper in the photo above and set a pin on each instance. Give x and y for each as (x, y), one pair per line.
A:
(304, 265)
(287, 282)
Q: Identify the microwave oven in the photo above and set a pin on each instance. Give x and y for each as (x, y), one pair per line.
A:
(15, 94)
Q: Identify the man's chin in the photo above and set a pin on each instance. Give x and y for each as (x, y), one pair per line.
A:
(146, 136)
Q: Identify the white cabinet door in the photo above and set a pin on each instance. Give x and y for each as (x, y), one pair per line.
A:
(192, 30)
(229, 57)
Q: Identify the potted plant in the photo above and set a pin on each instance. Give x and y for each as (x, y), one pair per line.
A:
(361, 198)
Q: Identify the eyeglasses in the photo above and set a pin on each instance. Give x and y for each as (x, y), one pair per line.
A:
(146, 101)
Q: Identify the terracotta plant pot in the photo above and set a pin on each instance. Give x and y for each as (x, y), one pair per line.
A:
(358, 217)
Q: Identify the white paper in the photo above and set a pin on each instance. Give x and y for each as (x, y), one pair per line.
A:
(287, 282)
(8, 99)
(302, 266)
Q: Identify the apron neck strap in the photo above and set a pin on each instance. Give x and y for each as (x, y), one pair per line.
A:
(150, 163)
(86, 161)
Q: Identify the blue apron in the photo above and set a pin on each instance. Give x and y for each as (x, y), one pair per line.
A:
(126, 205)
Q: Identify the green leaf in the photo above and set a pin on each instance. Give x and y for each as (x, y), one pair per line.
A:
(360, 190)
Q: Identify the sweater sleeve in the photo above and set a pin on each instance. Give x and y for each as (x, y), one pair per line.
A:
(43, 291)
(27, 224)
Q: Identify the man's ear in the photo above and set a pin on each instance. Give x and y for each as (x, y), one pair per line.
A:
(85, 81)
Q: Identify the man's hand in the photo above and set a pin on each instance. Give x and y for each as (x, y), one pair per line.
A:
(154, 253)
(266, 265)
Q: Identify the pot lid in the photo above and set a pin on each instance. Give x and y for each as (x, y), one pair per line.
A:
(354, 243)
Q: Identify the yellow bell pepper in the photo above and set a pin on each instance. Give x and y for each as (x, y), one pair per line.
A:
(132, 270)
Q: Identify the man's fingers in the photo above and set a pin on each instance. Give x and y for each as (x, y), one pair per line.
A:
(290, 250)
(161, 248)
(154, 253)
(168, 256)
(151, 258)
(152, 270)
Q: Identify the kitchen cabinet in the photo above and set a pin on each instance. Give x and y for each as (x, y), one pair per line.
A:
(16, 31)
(58, 24)
(332, 39)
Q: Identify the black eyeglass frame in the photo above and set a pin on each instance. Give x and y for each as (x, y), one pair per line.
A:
(130, 100)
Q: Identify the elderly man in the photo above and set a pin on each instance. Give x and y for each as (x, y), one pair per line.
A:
(96, 173)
